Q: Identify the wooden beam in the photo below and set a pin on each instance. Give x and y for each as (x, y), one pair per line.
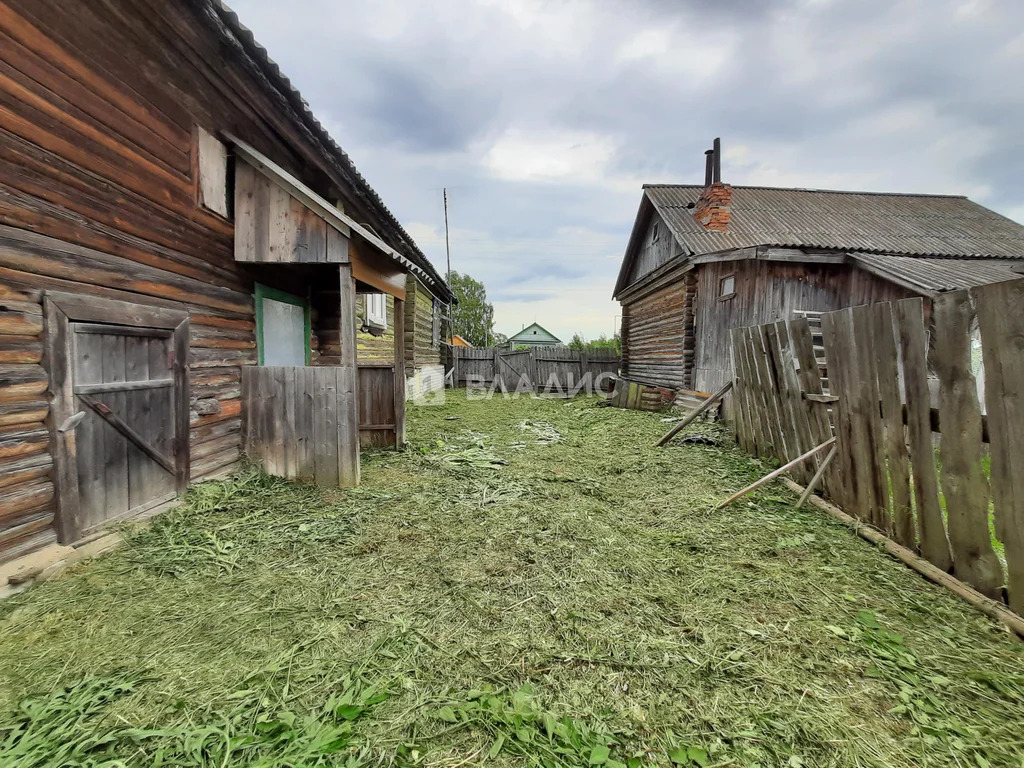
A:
(703, 407)
(399, 373)
(772, 475)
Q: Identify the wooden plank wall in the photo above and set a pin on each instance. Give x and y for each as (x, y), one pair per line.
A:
(767, 291)
(295, 424)
(887, 471)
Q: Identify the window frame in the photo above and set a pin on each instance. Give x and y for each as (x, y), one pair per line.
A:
(382, 325)
(721, 282)
(655, 232)
(275, 294)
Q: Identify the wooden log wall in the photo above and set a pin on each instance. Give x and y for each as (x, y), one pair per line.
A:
(654, 337)
(887, 472)
(100, 108)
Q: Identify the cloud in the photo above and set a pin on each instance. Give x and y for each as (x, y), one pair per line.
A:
(542, 118)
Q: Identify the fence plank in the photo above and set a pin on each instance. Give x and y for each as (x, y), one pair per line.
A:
(765, 446)
(786, 368)
(897, 457)
(963, 478)
(770, 391)
(741, 409)
(1002, 337)
(854, 450)
(913, 343)
(867, 405)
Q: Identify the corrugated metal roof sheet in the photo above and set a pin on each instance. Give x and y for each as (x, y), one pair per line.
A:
(935, 275)
(919, 225)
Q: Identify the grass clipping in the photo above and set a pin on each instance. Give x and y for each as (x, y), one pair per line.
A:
(529, 584)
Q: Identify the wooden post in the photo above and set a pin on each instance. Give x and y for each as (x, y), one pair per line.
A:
(817, 477)
(348, 387)
(399, 373)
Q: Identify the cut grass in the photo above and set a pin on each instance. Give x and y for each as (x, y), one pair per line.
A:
(529, 584)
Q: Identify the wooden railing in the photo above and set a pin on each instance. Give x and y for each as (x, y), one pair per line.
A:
(888, 471)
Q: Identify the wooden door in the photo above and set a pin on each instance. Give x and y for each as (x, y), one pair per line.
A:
(119, 413)
(121, 380)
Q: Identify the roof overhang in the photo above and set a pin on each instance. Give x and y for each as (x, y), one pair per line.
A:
(329, 213)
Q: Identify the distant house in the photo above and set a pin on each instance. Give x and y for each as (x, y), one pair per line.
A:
(533, 335)
(702, 260)
(458, 341)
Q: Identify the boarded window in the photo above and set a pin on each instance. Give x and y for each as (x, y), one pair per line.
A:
(655, 232)
(212, 169)
(282, 323)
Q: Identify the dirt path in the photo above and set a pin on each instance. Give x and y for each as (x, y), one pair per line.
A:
(530, 583)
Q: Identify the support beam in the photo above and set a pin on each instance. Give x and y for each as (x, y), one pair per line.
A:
(399, 358)
(348, 382)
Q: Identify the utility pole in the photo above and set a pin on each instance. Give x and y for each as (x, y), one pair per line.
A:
(448, 254)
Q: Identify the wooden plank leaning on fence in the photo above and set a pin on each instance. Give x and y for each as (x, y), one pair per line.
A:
(931, 530)
(897, 457)
(706, 405)
(777, 472)
(963, 478)
(1002, 338)
(867, 404)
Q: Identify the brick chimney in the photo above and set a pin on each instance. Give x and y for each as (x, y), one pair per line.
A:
(714, 206)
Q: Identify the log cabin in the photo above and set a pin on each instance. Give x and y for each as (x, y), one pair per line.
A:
(703, 259)
(183, 255)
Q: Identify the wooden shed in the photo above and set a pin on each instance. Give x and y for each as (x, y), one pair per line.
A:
(182, 252)
(703, 259)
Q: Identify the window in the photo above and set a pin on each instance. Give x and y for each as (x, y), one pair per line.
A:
(375, 316)
(282, 327)
(727, 287)
(656, 232)
(211, 163)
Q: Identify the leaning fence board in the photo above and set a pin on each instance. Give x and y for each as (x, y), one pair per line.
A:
(963, 478)
(897, 458)
(741, 410)
(867, 404)
(913, 345)
(766, 445)
(785, 366)
(1001, 323)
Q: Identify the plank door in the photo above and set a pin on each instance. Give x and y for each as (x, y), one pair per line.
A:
(124, 387)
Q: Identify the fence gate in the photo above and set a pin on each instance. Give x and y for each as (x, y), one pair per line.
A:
(515, 370)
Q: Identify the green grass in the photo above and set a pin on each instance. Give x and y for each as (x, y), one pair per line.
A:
(531, 583)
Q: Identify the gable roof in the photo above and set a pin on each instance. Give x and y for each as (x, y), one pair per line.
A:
(944, 226)
(529, 333)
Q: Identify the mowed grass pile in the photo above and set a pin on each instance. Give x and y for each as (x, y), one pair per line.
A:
(530, 583)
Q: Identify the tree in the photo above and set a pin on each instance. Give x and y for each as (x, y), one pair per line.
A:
(472, 316)
(601, 342)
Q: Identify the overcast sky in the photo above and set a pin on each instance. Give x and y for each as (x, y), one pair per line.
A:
(544, 118)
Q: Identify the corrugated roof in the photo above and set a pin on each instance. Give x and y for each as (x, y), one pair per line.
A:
(935, 275)
(919, 225)
(243, 36)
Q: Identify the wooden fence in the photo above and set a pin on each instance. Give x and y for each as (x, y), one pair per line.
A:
(537, 368)
(867, 382)
(300, 422)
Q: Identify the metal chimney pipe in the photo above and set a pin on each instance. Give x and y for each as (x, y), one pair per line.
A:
(708, 165)
(717, 176)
